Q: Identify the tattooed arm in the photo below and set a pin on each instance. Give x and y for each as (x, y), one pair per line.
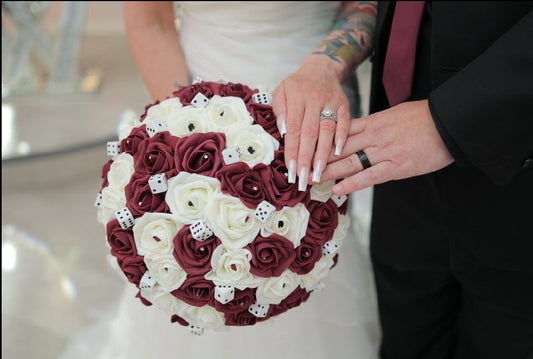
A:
(350, 41)
(316, 85)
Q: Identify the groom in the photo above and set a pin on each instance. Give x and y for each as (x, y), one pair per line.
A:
(451, 158)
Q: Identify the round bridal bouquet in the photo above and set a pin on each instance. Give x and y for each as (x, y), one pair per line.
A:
(199, 214)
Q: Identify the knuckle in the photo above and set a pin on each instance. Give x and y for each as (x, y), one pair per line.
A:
(327, 125)
(309, 132)
(353, 161)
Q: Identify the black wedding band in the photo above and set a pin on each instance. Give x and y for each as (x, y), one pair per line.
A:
(364, 159)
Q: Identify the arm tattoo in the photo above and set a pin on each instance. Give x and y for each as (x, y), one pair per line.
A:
(350, 41)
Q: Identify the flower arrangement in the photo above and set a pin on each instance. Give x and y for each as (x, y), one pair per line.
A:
(200, 216)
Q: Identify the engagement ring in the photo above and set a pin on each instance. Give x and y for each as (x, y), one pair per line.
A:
(328, 113)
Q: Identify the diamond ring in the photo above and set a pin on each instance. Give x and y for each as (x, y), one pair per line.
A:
(328, 113)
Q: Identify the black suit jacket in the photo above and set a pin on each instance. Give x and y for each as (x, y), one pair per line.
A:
(475, 65)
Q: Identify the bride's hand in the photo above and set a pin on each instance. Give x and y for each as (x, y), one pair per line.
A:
(298, 102)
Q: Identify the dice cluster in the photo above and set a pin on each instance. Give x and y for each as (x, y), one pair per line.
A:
(200, 217)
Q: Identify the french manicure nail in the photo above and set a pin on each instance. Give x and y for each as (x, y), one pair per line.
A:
(292, 171)
(302, 181)
(338, 148)
(317, 172)
(282, 127)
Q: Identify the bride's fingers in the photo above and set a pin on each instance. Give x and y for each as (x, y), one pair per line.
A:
(279, 106)
(288, 120)
(323, 147)
(343, 126)
(307, 143)
(354, 143)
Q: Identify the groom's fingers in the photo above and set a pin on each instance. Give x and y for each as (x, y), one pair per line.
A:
(371, 176)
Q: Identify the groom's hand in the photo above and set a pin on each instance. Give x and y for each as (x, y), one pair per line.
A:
(399, 142)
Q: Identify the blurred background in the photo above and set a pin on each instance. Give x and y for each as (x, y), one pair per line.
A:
(68, 79)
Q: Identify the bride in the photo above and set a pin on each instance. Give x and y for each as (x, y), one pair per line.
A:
(258, 44)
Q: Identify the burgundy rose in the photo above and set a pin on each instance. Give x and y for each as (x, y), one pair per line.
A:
(270, 255)
(243, 318)
(140, 198)
(176, 318)
(335, 261)
(237, 90)
(186, 94)
(242, 300)
(307, 254)
(263, 115)
(156, 154)
(120, 240)
(297, 297)
(323, 220)
(196, 291)
(279, 192)
(239, 180)
(200, 153)
(130, 144)
(143, 299)
(192, 255)
(105, 170)
(134, 268)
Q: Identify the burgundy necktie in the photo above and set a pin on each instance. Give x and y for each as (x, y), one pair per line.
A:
(400, 58)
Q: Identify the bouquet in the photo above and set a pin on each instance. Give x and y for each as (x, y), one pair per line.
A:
(199, 214)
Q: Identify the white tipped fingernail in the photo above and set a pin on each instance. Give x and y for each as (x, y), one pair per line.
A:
(282, 126)
(292, 171)
(302, 181)
(317, 172)
(338, 148)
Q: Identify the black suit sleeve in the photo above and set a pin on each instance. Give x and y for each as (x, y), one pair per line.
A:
(484, 113)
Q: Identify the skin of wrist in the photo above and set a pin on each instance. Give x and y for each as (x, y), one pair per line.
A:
(320, 63)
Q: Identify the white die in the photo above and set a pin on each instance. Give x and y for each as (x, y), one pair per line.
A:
(320, 287)
(339, 199)
(259, 310)
(264, 210)
(224, 293)
(158, 183)
(330, 248)
(196, 330)
(231, 155)
(199, 100)
(262, 98)
(196, 80)
(98, 200)
(113, 148)
(200, 230)
(156, 126)
(125, 218)
(147, 281)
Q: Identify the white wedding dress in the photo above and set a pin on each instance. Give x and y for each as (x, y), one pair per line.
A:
(258, 44)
